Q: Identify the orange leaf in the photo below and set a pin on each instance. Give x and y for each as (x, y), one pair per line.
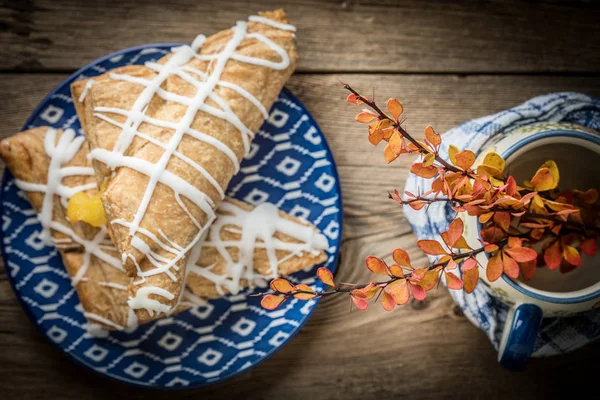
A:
(393, 148)
(281, 285)
(401, 257)
(376, 137)
(376, 265)
(522, 254)
(304, 296)
(424, 172)
(490, 248)
(502, 219)
(271, 301)
(553, 255)
(572, 256)
(394, 107)
(453, 281)
(432, 136)
(494, 268)
(431, 247)
(465, 159)
(483, 218)
(493, 234)
(325, 276)
(396, 270)
(418, 275)
(514, 241)
(387, 301)
(589, 246)
(399, 291)
(455, 231)
(544, 180)
(418, 292)
(470, 279)
(510, 266)
(366, 117)
(430, 279)
(361, 304)
(528, 269)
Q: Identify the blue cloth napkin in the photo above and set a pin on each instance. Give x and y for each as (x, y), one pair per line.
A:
(557, 335)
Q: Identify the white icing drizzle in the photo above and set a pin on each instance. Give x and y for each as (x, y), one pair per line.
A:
(270, 22)
(258, 228)
(204, 83)
(86, 88)
(62, 153)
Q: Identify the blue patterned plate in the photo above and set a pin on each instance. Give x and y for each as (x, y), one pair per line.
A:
(289, 165)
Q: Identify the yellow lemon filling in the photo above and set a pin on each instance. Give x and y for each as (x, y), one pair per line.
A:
(86, 208)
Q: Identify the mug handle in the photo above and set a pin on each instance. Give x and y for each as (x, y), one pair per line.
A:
(519, 334)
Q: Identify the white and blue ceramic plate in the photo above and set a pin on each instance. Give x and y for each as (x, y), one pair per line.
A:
(289, 164)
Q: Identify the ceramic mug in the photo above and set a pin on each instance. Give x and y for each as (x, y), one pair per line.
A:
(576, 151)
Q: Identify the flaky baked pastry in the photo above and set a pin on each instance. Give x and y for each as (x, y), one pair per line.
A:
(167, 137)
(245, 246)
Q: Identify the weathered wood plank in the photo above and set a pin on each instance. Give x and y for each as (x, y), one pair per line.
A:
(370, 36)
(443, 101)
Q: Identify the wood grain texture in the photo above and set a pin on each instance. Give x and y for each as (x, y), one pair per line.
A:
(370, 36)
(423, 350)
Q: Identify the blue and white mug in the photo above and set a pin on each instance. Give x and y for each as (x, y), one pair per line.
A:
(576, 151)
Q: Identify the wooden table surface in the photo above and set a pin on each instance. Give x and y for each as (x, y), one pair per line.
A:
(447, 62)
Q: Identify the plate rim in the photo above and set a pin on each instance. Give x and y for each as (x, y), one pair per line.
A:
(334, 266)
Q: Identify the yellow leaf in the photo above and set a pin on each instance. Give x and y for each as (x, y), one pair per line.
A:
(428, 159)
(452, 152)
(543, 180)
(492, 165)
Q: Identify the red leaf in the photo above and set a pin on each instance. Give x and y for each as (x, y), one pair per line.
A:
(418, 292)
(399, 291)
(361, 304)
(455, 231)
(553, 255)
(494, 268)
(572, 256)
(511, 268)
(469, 264)
(401, 258)
(589, 246)
(514, 241)
(352, 98)
(325, 276)
(511, 186)
(395, 108)
(470, 279)
(376, 265)
(431, 247)
(521, 254)
(387, 301)
(492, 234)
(271, 301)
(281, 285)
(453, 281)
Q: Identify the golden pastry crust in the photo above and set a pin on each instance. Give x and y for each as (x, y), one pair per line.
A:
(126, 187)
(101, 288)
(26, 158)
